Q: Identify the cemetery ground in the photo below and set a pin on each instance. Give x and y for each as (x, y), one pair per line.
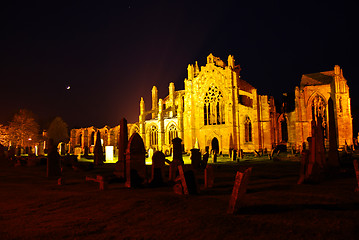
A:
(274, 207)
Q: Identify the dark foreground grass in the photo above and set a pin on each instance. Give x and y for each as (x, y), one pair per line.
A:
(275, 207)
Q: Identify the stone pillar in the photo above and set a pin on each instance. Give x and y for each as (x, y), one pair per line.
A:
(180, 118)
(154, 102)
(142, 120)
(161, 130)
(171, 95)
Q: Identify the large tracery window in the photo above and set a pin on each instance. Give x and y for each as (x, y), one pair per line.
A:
(153, 135)
(248, 130)
(172, 133)
(214, 107)
(318, 106)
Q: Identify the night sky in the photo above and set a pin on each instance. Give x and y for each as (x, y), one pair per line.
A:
(112, 54)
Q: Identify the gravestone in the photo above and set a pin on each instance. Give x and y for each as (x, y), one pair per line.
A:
(195, 158)
(356, 168)
(239, 190)
(98, 151)
(99, 179)
(177, 158)
(208, 177)
(185, 182)
(120, 170)
(150, 153)
(135, 162)
(158, 165)
(234, 155)
(77, 152)
(333, 155)
(53, 161)
(214, 157)
(205, 158)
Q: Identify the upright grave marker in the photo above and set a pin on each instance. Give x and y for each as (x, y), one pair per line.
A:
(208, 177)
(177, 158)
(158, 164)
(239, 189)
(135, 162)
(356, 168)
(120, 170)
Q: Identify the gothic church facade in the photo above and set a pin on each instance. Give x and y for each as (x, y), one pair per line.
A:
(220, 110)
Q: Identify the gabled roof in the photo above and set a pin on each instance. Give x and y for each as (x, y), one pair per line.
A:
(321, 78)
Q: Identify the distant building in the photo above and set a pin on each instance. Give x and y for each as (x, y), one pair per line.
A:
(219, 109)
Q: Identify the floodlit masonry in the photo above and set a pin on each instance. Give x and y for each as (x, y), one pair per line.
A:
(219, 109)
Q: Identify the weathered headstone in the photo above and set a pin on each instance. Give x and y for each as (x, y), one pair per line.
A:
(333, 155)
(205, 158)
(78, 152)
(208, 177)
(356, 169)
(98, 151)
(177, 158)
(195, 158)
(185, 182)
(135, 162)
(304, 159)
(99, 179)
(120, 170)
(158, 165)
(234, 155)
(239, 189)
(53, 161)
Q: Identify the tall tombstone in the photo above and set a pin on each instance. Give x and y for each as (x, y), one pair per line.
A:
(239, 190)
(195, 158)
(98, 151)
(177, 150)
(320, 149)
(53, 161)
(186, 182)
(177, 158)
(333, 156)
(120, 170)
(158, 165)
(135, 162)
(208, 177)
(356, 169)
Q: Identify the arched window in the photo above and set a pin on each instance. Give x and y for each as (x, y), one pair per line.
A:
(318, 106)
(248, 130)
(172, 133)
(214, 107)
(153, 135)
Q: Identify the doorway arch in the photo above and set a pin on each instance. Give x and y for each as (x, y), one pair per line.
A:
(215, 145)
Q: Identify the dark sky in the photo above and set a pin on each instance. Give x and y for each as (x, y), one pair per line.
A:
(111, 54)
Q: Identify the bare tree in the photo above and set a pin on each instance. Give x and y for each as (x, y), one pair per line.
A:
(23, 129)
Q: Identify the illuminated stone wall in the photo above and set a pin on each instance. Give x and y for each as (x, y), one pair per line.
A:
(311, 99)
(218, 107)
